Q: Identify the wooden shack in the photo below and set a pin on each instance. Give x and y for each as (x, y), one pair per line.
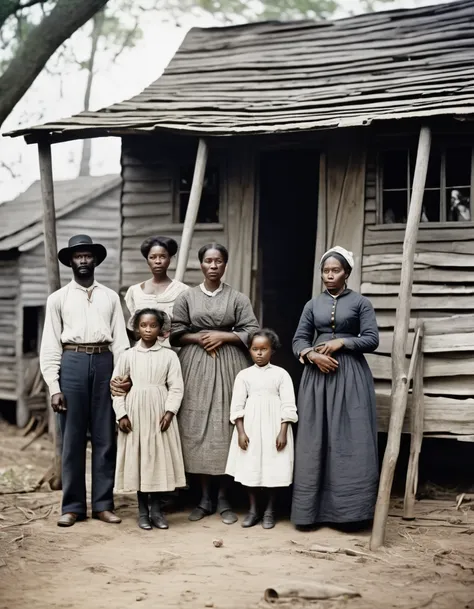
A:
(311, 130)
(85, 205)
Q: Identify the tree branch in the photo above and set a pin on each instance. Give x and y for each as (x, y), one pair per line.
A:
(29, 3)
(11, 7)
(65, 18)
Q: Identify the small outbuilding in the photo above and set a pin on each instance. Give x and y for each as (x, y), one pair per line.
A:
(85, 205)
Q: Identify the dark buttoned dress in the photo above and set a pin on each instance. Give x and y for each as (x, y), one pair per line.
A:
(336, 459)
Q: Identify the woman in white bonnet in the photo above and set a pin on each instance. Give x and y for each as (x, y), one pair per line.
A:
(336, 459)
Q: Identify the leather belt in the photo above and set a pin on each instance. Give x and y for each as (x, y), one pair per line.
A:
(89, 349)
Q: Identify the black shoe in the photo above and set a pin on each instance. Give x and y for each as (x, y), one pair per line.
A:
(159, 521)
(228, 516)
(143, 513)
(156, 516)
(250, 520)
(268, 521)
(144, 523)
(201, 511)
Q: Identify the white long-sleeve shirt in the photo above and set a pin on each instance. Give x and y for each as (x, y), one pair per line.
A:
(77, 315)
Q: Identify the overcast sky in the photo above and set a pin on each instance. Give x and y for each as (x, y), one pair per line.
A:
(52, 97)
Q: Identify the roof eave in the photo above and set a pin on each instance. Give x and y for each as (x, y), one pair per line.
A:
(57, 135)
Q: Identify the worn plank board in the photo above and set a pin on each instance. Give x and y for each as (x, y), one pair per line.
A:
(428, 275)
(441, 415)
(434, 259)
(149, 210)
(451, 302)
(448, 386)
(434, 366)
(418, 288)
(374, 236)
(146, 173)
(449, 325)
(445, 343)
(141, 198)
(386, 339)
(156, 186)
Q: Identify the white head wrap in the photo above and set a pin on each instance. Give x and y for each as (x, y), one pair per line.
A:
(337, 249)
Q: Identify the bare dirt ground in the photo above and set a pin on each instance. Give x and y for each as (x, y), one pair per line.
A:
(427, 563)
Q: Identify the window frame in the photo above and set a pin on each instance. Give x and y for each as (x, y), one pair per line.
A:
(441, 143)
(220, 166)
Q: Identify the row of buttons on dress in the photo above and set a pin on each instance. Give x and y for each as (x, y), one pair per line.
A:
(333, 315)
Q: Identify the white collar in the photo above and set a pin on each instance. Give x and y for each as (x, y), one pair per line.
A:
(211, 294)
(266, 367)
(156, 347)
(75, 285)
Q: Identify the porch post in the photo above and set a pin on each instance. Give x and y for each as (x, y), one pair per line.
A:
(399, 362)
(193, 208)
(321, 230)
(54, 282)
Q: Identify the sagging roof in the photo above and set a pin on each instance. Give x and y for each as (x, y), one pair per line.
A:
(282, 77)
(21, 220)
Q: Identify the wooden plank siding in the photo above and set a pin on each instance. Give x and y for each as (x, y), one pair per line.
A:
(443, 286)
(150, 173)
(101, 221)
(9, 288)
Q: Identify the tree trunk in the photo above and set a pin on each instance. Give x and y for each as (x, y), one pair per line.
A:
(84, 169)
(65, 18)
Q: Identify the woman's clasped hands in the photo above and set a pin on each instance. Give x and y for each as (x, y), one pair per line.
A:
(212, 340)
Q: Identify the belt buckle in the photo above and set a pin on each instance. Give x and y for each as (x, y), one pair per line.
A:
(90, 350)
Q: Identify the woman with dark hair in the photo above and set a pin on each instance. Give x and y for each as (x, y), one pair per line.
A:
(211, 323)
(160, 291)
(336, 460)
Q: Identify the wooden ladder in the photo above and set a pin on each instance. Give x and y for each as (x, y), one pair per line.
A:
(415, 375)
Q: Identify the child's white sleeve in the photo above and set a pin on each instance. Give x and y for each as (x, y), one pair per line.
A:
(122, 368)
(175, 384)
(239, 398)
(287, 398)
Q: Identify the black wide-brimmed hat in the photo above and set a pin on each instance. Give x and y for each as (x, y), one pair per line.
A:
(82, 242)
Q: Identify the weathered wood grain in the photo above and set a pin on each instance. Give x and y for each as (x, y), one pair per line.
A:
(450, 302)
(373, 289)
(426, 275)
(449, 325)
(441, 414)
(301, 76)
(434, 366)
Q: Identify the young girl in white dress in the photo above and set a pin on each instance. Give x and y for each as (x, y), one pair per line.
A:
(262, 409)
(149, 456)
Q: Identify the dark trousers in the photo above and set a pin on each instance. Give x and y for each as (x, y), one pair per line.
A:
(84, 380)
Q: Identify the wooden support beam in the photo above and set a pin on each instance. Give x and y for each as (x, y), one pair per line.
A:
(52, 270)
(416, 428)
(399, 394)
(22, 411)
(321, 230)
(193, 208)
(49, 216)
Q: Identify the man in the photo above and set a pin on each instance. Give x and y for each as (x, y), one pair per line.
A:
(84, 332)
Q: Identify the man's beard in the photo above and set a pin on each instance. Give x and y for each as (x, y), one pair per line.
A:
(85, 272)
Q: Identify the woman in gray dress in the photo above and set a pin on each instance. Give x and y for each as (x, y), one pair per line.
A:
(336, 459)
(211, 323)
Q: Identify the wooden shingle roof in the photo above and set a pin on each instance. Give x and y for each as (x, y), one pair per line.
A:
(21, 220)
(282, 77)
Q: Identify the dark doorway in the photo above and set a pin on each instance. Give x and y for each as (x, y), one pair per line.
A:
(287, 239)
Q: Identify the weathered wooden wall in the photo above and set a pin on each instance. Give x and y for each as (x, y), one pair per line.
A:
(9, 288)
(443, 286)
(150, 170)
(23, 283)
(99, 219)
